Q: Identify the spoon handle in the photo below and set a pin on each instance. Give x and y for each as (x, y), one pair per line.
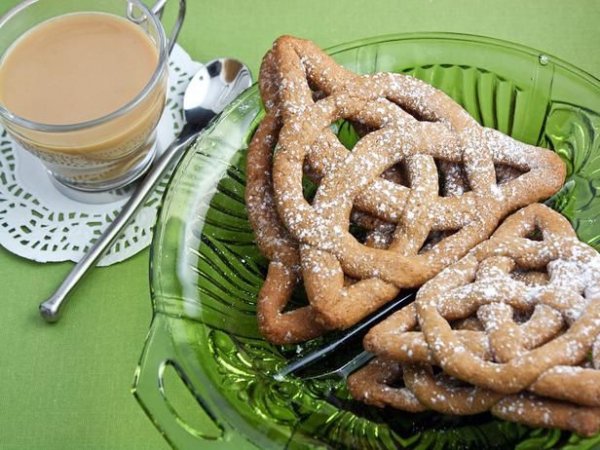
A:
(51, 308)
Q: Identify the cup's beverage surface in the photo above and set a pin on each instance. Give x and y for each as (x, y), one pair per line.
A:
(76, 68)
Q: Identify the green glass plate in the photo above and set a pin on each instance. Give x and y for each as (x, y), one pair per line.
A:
(206, 271)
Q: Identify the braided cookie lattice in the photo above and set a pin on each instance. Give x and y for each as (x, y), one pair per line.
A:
(514, 327)
(455, 187)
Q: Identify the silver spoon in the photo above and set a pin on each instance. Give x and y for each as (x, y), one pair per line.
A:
(209, 91)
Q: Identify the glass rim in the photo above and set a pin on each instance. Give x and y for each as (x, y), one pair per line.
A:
(129, 106)
(467, 37)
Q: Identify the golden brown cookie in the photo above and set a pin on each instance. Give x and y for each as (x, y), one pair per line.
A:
(527, 348)
(448, 200)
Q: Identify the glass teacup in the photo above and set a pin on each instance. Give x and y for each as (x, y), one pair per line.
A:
(105, 152)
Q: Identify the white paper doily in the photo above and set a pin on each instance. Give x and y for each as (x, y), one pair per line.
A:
(39, 223)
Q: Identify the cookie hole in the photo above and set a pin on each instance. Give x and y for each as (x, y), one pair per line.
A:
(362, 129)
(469, 323)
(309, 188)
(349, 281)
(535, 235)
(317, 95)
(437, 372)
(359, 232)
(506, 173)
(522, 316)
(434, 238)
(397, 174)
(452, 179)
(316, 92)
(380, 238)
(370, 230)
(396, 383)
(298, 298)
(531, 277)
(348, 133)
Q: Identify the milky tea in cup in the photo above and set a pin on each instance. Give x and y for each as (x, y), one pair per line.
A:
(84, 91)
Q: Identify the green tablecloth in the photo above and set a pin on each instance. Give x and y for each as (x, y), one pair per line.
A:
(68, 385)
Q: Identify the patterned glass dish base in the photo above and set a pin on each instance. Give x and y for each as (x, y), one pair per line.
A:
(206, 271)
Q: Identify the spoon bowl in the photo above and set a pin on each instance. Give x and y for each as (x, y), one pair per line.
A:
(212, 88)
(216, 84)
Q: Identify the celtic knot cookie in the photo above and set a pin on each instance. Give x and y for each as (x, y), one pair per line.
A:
(514, 327)
(458, 180)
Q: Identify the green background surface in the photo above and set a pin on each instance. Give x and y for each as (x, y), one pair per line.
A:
(68, 385)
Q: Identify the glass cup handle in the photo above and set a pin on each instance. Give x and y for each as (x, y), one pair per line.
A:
(148, 389)
(158, 10)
